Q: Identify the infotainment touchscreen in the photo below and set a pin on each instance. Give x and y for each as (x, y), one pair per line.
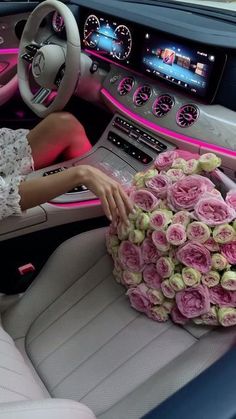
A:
(187, 65)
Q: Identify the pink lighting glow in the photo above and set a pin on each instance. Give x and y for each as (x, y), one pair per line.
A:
(165, 131)
(8, 51)
(81, 204)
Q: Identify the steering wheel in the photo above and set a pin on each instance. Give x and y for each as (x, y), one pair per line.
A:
(55, 68)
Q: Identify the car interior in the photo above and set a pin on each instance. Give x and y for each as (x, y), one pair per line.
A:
(143, 77)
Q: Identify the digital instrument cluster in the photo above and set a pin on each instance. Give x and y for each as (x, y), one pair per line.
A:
(107, 37)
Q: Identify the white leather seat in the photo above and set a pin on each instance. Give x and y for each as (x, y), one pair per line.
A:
(74, 336)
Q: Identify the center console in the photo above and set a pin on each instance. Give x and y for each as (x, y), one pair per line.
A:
(123, 149)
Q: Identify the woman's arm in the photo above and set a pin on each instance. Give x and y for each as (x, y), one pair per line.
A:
(113, 198)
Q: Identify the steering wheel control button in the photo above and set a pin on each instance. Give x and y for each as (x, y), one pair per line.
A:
(31, 50)
(129, 148)
(94, 67)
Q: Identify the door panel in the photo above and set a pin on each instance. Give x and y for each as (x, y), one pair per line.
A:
(13, 17)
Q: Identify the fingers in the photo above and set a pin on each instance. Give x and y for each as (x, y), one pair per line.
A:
(115, 201)
(129, 205)
(122, 210)
(120, 204)
(106, 207)
(113, 206)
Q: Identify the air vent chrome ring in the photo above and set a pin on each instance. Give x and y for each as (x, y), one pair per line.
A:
(187, 115)
(162, 105)
(125, 85)
(142, 94)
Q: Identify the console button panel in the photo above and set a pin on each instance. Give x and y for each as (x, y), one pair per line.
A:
(129, 148)
(139, 135)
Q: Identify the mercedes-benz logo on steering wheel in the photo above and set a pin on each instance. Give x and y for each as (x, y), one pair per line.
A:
(38, 64)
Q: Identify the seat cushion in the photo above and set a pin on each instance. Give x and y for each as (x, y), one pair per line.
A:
(45, 409)
(87, 343)
(16, 380)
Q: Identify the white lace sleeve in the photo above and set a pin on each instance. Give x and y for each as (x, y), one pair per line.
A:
(15, 162)
(9, 196)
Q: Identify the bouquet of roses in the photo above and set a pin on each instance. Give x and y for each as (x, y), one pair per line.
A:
(177, 256)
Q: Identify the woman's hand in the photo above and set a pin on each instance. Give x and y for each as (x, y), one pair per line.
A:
(114, 199)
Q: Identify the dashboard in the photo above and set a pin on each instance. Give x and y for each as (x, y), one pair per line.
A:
(192, 67)
(172, 72)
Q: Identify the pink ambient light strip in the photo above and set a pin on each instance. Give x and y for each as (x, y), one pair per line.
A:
(165, 131)
(89, 203)
(7, 51)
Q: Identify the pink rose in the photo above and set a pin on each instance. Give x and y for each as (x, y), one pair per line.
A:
(211, 279)
(160, 219)
(196, 256)
(198, 232)
(185, 193)
(118, 265)
(130, 256)
(214, 211)
(167, 289)
(156, 297)
(160, 241)
(144, 199)
(193, 302)
(149, 251)
(222, 297)
(211, 318)
(164, 160)
(165, 267)
(211, 245)
(158, 185)
(178, 317)
(139, 299)
(176, 234)
(231, 198)
(158, 313)
(151, 277)
(181, 217)
(131, 279)
(227, 316)
(175, 174)
(228, 250)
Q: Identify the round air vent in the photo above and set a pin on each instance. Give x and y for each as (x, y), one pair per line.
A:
(162, 105)
(187, 115)
(125, 86)
(142, 94)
